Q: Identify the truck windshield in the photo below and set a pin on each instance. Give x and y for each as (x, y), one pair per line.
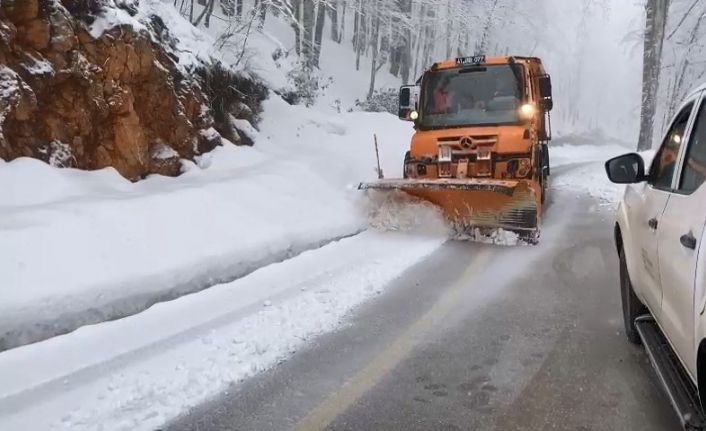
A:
(474, 96)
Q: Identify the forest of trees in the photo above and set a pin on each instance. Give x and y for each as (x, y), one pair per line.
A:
(674, 61)
(404, 37)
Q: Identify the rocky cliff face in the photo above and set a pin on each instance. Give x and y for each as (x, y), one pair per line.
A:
(118, 99)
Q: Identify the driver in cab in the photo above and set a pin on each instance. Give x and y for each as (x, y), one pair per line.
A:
(441, 100)
(446, 99)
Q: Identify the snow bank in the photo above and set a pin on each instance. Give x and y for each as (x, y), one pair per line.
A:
(81, 247)
(569, 154)
(590, 179)
(138, 372)
(580, 169)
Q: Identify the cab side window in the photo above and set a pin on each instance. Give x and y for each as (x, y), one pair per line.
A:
(663, 166)
(694, 170)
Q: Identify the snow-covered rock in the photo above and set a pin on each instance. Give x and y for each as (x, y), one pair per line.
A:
(112, 80)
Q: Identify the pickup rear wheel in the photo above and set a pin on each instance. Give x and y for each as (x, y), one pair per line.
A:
(632, 307)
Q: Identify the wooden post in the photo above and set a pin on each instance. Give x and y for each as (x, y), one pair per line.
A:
(377, 156)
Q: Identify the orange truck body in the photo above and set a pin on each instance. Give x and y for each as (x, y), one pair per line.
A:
(482, 175)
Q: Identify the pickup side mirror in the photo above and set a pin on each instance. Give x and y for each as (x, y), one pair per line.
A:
(406, 103)
(626, 169)
(546, 101)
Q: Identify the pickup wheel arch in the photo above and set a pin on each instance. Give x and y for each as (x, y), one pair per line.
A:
(618, 235)
(632, 307)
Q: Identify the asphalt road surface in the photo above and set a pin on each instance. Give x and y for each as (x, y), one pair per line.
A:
(477, 337)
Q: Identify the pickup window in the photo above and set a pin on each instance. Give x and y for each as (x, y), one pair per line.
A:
(694, 171)
(663, 167)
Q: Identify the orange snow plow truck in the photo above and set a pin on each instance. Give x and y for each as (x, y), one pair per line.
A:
(480, 151)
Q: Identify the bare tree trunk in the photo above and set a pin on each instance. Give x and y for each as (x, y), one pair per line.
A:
(429, 37)
(375, 45)
(680, 85)
(204, 12)
(459, 43)
(406, 57)
(656, 12)
(261, 9)
(482, 46)
(228, 7)
(239, 9)
(209, 9)
(308, 17)
(449, 28)
(277, 6)
(367, 26)
(333, 14)
(396, 43)
(342, 30)
(359, 34)
(420, 39)
(319, 31)
(296, 25)
(356, 24)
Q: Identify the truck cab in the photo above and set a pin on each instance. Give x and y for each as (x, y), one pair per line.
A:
(490, 113)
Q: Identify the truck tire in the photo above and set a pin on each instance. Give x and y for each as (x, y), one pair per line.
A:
(541, 172)
(632, 307)
(407, 157)
(544, 187)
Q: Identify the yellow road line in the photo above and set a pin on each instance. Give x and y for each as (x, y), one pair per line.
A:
(336, 404)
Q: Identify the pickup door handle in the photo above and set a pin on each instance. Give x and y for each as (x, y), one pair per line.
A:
(652, 223)
(688, 241)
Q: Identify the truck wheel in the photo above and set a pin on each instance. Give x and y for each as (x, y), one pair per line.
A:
(544, 186)
(632, 307)
(407, 157)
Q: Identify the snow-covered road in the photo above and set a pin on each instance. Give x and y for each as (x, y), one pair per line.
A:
(145, 369)
(137, 372)
(475, 337)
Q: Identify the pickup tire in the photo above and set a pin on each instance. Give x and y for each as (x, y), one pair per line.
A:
(632, 307)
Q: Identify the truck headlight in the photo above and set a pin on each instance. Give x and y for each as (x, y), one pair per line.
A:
(527, 111)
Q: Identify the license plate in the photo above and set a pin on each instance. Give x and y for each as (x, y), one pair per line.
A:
(470, 61)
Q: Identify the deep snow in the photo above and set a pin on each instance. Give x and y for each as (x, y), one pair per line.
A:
(80, 247)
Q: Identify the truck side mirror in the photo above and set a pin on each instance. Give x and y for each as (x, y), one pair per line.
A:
(546, 102)
(406, 102)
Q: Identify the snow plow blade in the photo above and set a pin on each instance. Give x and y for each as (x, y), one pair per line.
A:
(475, 203)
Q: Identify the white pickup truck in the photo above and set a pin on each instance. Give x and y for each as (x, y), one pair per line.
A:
(659, 234)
